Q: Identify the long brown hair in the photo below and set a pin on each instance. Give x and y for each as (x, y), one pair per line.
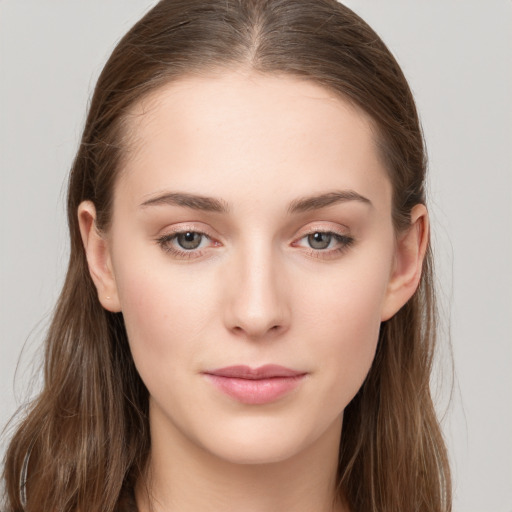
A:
(86, 436)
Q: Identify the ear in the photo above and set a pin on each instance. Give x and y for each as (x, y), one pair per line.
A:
(409, 256)
(98, 257)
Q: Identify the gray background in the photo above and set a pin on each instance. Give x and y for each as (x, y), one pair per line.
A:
(458, 58)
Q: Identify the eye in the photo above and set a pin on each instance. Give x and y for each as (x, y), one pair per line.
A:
(324, 243)
(189, 240)
(319, 240)
(186, 244)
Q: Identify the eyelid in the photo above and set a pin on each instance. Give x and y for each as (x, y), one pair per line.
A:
(322, 227)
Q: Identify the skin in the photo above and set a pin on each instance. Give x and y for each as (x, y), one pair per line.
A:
(254, 292)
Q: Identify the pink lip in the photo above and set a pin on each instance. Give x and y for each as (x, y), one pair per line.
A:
(255, 386)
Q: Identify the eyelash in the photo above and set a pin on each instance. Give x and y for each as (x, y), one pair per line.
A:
(344, 241)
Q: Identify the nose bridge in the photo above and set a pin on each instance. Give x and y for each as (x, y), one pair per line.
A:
(258, 301)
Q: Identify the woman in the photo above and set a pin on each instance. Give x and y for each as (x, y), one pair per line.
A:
(247, 319)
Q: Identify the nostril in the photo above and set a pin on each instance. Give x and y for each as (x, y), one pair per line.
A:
(257, 332)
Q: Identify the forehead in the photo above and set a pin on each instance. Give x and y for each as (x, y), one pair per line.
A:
(242, 129)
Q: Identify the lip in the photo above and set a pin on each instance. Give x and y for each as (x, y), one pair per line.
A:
(255, 386)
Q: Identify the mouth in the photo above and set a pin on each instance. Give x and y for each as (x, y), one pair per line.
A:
(255, 386)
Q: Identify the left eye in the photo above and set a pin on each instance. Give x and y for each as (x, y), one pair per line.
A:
(322, 240)
(189, 240)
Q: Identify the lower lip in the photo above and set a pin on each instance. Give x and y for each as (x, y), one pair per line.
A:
(255, 391)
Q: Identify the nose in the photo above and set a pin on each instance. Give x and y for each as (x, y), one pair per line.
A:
(257, 295)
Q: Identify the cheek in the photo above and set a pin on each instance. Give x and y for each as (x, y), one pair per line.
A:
(342, 319)
(165, 314)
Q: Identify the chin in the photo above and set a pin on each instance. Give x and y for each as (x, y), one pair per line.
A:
(250, 451)
(260, 441)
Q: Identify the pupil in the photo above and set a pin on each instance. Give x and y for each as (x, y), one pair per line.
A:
(319, 240)
(189, 240)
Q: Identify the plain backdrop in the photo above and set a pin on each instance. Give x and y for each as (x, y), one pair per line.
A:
(457, 56)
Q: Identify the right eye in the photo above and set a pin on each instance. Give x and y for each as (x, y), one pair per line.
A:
(185, 244)
(320, 240)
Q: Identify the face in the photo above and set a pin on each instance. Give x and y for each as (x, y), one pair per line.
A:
(252, 253)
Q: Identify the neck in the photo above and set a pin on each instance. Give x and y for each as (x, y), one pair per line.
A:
(182, 476)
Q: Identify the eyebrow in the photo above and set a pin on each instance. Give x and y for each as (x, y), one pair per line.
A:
(211, 204)
(196, 202)
(306, 204)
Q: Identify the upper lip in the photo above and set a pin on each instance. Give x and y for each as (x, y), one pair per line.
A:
(267, 371)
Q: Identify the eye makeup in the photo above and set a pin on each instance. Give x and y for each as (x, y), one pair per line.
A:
(189, 243)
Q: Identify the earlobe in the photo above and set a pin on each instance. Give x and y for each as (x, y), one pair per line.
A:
(410, 253)
(98, 258)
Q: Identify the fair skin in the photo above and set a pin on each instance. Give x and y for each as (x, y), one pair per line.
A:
(295, 263)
